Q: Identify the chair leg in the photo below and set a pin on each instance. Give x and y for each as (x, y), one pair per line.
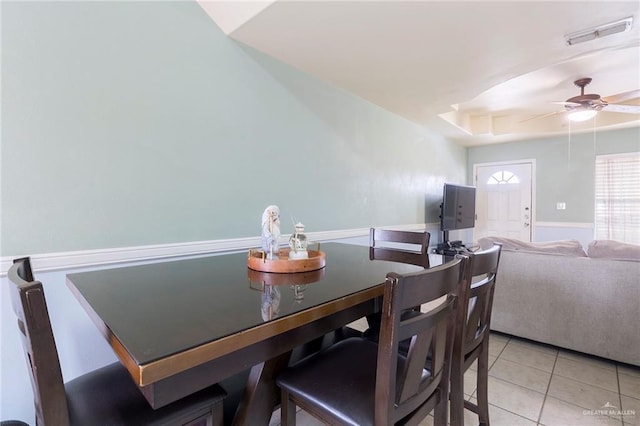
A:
(456, 396)
(287, 410)
(440, 412)
(482, 384)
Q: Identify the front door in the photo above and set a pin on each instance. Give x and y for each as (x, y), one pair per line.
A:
(503, 200)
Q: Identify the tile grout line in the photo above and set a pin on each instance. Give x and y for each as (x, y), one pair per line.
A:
(506, 381)
(587, 383)
(529, 366)
(619, 393)
(501, 351)
(546, 393)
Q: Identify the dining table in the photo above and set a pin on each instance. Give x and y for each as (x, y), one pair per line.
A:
(179, 326)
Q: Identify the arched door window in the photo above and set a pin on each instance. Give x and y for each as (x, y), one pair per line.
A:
(503, 177)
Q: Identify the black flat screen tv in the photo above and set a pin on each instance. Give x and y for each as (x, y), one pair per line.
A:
(458, 207)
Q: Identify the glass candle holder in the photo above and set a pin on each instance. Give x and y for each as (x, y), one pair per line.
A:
(298, 243)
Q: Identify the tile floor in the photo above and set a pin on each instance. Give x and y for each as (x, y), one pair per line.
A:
(536, 384)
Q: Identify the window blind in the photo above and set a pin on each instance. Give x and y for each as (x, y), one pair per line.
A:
(617, 197)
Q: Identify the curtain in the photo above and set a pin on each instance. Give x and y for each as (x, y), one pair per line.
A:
(617, 197)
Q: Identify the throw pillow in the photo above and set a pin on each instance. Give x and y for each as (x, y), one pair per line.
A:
(613, 250)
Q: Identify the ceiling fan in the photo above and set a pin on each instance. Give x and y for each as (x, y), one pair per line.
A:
(586, 106)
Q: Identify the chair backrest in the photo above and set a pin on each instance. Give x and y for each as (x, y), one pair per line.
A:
(403, 387)
(30, 307)
(476, 300)
(378, 251)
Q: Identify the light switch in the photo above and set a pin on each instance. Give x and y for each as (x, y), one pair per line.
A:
(561, 206)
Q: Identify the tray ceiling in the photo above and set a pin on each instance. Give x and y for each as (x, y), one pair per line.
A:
(475, 71)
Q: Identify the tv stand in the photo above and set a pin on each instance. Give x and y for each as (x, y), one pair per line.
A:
(449, 248)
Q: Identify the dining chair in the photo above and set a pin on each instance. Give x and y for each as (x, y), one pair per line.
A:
(360, 382)
(471, 342)
(106, 396)
(410, 246)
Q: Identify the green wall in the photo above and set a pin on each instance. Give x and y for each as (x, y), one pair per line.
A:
(134, 123)
(565, 168)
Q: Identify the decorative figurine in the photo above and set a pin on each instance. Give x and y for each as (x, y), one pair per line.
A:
(271, 231)
(298, 243)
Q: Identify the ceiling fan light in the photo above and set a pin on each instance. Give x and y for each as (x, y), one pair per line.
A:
(582, 114)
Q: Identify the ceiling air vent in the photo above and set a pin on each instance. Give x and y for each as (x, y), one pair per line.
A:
(599, 32)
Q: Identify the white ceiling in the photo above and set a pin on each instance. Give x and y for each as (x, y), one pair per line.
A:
(475, 71)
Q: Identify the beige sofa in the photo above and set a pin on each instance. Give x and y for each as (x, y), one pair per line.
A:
(556, 293)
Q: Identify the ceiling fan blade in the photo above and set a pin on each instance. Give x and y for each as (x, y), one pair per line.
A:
(627, 109)
(622, 97)
(536, 117)
(566, 103)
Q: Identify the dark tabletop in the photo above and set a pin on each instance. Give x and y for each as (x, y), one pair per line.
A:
(160, 309)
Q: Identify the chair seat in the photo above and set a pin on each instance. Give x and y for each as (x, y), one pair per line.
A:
(108, 396)
(339, 380)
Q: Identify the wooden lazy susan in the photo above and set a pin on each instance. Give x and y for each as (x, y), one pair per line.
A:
(282, 264)
(269, 278)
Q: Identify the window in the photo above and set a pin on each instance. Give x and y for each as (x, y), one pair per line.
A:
(502, 177)
(617, 197)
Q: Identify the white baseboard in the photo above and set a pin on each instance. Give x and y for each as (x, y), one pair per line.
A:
(92, 258)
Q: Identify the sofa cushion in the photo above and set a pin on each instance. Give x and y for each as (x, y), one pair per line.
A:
(610, 249)
(563, 247)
